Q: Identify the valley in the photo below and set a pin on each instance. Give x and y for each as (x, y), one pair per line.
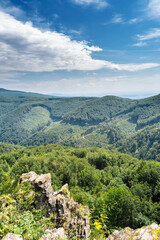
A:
(131, 126)
(81, 142)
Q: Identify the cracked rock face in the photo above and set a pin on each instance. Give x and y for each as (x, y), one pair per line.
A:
(151, 232)
(64, 210)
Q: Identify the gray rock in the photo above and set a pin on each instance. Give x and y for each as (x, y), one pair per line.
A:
(43, 184)
(151, 232)
(56, 234)
(64, 210)
(12, 236)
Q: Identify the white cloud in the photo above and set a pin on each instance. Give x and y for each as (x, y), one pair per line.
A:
(26, 48)
(6, 6)
(135, 67)
(101, 86)
(10, 77)
(127, 84)
(75, 32)
(152, 33)
(78, 86)
(133, 20)
(153, 9)
(97, 3)
(140, 44)
(56, 16)
(117, 19)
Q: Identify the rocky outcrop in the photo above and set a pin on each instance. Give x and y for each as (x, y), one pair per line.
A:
(55, 234)
(151, 232)
(12, 236)
(64, 211)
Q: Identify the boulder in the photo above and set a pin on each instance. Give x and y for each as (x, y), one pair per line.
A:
(151, 232)
(64, 211)
(54, 234)
(12, 236)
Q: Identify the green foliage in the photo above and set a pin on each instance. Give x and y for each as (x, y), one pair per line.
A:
(99, 222)
(17, 214)
(7, 214)
(119, 202)
(112, 184)
(31, 226)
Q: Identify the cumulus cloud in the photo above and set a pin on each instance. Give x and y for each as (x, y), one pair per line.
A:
(97, 3)
(26, 48)
(153, 9)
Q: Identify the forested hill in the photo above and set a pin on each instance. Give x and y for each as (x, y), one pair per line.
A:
(131, 126)
(99, 110)
(111, 184)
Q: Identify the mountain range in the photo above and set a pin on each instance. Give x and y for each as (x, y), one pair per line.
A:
(131, 126)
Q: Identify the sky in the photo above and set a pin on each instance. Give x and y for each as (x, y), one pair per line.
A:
(81, 47)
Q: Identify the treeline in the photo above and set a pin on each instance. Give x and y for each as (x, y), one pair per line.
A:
(120, 190)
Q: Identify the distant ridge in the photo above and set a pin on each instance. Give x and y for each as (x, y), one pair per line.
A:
(15, 93)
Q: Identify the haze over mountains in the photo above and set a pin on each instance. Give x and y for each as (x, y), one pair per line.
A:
(131, 126)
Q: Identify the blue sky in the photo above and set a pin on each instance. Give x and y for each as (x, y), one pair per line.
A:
(81, 47)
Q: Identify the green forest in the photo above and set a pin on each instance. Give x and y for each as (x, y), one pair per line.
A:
(130, 126)
(112, 184)
(106, 149)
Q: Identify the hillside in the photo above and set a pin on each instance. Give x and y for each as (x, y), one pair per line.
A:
(14, 93)
(111, 184)
(131, 126)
